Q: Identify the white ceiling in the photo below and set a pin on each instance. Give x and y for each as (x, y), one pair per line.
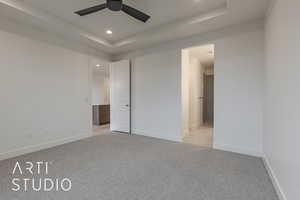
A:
(171, 19)
(122, 25)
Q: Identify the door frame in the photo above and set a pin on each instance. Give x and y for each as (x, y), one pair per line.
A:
(185, 81)
(130, 96)
(92, 63)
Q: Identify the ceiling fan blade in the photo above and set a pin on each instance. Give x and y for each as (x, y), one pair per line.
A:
(91, 10)
(135, 13)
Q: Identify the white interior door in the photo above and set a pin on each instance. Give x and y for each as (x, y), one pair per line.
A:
(120, 96)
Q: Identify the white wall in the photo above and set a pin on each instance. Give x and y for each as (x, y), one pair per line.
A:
(157, 99)
(100, 87)
(238, 93)
(45, 94)
(282, 121)
(156, 95)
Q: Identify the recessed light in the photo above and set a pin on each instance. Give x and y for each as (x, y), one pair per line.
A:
(109, 32)
(98, 65)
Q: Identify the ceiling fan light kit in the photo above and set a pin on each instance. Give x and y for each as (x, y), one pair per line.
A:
(116, 5)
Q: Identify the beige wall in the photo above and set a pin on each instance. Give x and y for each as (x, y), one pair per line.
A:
(196, 92)
(100, 90)
(185, 87)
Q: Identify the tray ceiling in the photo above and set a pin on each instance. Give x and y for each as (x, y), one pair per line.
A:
(170, 19)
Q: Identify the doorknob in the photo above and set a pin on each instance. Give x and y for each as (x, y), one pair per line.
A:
(127, 105)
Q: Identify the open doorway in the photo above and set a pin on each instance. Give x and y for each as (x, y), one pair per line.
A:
(198, 95)
(100, 98)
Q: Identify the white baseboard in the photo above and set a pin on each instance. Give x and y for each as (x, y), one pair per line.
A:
(274, 179)
(154, 134)
(34, 148)
(223, 147)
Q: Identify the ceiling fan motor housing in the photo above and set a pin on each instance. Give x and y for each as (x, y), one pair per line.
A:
(114, 5)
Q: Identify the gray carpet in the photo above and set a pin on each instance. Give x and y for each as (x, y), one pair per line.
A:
(122, 167)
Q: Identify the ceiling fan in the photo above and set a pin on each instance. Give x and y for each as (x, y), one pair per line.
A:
(116, 5)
